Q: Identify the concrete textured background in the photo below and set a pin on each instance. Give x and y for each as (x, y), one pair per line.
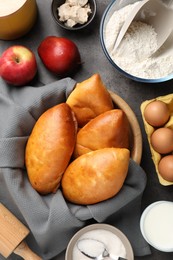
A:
(94, 61)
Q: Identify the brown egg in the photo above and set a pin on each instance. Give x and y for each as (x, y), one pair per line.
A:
(156, 113)
(165, 168)
(162, 140)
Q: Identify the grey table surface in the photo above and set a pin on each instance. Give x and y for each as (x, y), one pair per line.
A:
(134, 93)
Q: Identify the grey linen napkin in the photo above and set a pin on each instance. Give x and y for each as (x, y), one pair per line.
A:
(52, 220)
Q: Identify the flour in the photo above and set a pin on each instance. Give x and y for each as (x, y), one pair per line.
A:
(140, 42)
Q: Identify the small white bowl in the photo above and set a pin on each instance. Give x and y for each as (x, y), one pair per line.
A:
(156, 225)
(117, 232)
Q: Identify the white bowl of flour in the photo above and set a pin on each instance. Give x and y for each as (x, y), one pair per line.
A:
(132, 57)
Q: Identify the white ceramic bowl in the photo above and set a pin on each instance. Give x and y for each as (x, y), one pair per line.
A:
(111, 8)
(156, 225)
(117, 232)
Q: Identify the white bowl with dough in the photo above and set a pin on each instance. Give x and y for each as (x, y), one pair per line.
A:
(129, 58)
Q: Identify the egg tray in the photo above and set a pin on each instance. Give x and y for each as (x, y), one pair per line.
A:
(168, 99)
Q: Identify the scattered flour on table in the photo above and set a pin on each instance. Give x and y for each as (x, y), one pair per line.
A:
(139, 42)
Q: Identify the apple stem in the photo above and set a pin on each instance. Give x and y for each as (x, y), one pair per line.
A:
(17, 59)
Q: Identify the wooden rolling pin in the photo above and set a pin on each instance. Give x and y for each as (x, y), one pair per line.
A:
(12, 234)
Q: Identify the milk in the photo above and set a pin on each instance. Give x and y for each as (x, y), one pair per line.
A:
(17, 17)
(9, 6)
(157, 225)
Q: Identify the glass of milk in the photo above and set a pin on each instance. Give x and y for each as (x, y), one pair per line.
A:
(157, 225)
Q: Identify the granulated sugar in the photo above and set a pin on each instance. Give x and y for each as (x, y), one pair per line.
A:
(90, 245)
(138, 44)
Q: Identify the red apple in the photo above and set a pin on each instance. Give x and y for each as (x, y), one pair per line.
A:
(59, 55)
(18, 65)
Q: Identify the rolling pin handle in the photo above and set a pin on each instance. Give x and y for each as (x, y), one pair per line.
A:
(25, 252)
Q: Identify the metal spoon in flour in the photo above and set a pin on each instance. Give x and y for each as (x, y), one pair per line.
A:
(95, 249)
(154, 13)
